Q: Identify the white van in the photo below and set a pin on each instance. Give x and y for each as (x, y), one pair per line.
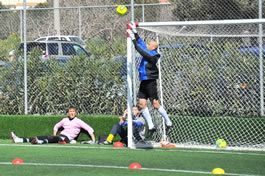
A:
(62, 51)
(62, 38)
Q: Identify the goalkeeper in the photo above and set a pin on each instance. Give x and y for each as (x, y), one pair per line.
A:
(138, 128)
(71, 129)
(148, 73)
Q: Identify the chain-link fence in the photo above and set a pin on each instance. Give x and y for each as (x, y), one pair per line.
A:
(58, 73)
(96, 82)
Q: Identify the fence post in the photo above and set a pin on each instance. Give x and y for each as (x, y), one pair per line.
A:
(25, 59)
(261, 61)
(21, 25)
(79, 23)
(56, 17)
(143, 12)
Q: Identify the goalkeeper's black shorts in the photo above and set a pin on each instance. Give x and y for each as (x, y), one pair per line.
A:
(148, 90)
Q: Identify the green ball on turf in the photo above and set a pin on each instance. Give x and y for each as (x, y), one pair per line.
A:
(221, 143)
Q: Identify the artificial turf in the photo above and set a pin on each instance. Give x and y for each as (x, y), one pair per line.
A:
(81, 159)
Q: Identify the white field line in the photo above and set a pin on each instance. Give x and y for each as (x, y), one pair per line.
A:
(122, 167)
(217, 151)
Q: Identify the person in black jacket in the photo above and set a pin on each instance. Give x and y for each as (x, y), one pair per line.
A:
(148, 73)
(120, 128)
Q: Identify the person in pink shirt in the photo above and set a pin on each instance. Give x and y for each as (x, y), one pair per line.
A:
(71, 128)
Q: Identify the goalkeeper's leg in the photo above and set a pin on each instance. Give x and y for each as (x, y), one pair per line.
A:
(151, 127)
(163, 113)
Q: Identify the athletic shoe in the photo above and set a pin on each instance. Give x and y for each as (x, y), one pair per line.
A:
(35, 140)
(88, 142)
(150, 132)
(15, 139)
(166, 144)
(73, 142)
(168, 130)
(107, 143)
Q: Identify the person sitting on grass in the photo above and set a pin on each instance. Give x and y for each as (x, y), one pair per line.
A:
(138, 128)
(71, 128)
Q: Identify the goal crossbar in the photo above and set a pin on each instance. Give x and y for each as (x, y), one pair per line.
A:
(194, 23)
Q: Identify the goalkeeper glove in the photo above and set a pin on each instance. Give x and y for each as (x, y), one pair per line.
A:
(133, 27)
(131, 34)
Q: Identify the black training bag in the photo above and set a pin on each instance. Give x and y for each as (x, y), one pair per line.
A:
(102, 138)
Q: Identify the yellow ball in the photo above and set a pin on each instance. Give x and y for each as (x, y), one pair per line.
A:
(218, 171)
(221, 143)
(121, 10)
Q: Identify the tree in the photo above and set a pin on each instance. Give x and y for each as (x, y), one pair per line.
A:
(42, 5)
(212, 9)
(67, 3)
(2, 6)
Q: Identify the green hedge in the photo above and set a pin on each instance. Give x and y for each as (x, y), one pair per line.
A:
(196, 130)
(30, 125)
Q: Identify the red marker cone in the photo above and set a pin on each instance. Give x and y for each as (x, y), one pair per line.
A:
(118, 144)
(17, 161)
(61, 142)
(135, 166)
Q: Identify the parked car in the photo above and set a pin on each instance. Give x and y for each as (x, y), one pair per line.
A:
(123, 61)
(61, 50)
(69, 38)
(252, 50)
(2, 63)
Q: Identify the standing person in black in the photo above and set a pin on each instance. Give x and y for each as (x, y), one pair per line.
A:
(148, 73)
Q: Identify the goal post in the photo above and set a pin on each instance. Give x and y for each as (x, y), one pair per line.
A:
(211, 82)
(129, 90)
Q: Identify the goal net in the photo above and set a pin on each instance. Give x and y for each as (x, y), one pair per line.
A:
(211, 82)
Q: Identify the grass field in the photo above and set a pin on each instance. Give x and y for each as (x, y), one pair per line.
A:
(97, 160)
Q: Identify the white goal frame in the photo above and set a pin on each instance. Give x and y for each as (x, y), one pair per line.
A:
(186, 23)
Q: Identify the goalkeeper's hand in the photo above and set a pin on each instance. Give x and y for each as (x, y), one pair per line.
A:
(131, 34)
(133, 27)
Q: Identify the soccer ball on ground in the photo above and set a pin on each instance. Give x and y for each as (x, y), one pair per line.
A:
(220, 143)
